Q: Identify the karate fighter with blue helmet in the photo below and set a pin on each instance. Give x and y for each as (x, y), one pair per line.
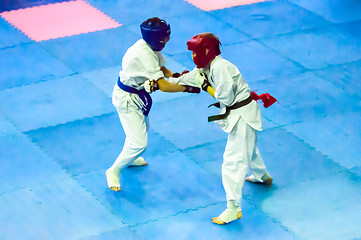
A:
(143, 71)
(240, 117)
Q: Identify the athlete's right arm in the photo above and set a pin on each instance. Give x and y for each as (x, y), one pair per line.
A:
(165, 86)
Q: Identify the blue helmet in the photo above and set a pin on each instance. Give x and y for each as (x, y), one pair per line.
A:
(155, 32)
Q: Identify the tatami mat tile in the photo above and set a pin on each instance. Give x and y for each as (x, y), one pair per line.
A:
(53, 102)
(269, 18)
(319, 48)
(59, 131)
(32, 64)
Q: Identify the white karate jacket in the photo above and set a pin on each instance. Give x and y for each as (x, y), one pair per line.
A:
(139, 63)
(230, 88)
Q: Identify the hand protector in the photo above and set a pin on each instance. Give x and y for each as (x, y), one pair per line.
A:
(191, 89)
(151, 86)
(202, 81)
(177, 75)
(266, 98)
(205, 85)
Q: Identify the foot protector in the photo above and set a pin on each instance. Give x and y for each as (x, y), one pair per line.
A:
(266, 179)
(113, 181)
(139, 162)
(228, 216)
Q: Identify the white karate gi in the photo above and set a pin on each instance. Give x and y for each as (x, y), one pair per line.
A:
(242, 124)
(140, 63)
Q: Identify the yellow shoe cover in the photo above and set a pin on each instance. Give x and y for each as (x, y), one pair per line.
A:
(230, 215)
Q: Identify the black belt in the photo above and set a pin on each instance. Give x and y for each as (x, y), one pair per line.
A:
(228, 109)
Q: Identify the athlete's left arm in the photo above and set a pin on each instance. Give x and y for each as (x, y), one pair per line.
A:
(165, 86)
(167, 73)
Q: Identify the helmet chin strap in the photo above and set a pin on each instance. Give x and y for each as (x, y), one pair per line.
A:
(206, 54)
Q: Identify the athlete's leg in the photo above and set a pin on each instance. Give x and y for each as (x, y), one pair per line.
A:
(258, 168)
(236, 159)
(135, 126)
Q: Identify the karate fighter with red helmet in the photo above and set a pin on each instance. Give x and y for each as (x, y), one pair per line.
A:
(240, 116)
(143, 71)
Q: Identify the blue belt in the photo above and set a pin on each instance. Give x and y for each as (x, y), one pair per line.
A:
(143, 95)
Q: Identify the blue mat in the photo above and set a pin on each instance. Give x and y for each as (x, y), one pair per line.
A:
(353, 27)
(155, 191)
(347, 135)
(64, 207)
(306, 103)
(59, 131)
(189, 225)
(22, 163)
(45, 104)
(10, 36)
(345, 77)
(269, 18)
(257, 62)
(128, 12)
(337, 200)
(92, 51)
(31, 65)
(320, 48)
(334, 11)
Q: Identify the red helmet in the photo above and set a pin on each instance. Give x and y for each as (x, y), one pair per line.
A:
(199, 43)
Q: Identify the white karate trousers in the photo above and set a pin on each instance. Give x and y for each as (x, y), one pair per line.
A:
(241, 153)
(135, 126)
